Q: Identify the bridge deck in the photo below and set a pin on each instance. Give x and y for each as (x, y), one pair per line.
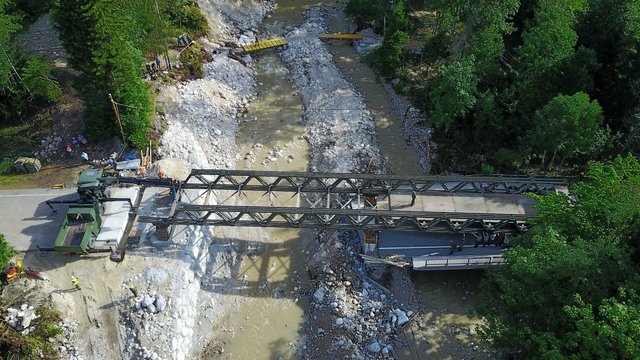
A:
(462, 203)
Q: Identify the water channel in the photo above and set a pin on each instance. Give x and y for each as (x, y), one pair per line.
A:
(269, 321)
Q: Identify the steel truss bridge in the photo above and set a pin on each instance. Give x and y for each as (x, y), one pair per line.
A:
(444, 204)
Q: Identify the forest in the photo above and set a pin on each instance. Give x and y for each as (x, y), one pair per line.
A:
(525, 86)
(108, 43)
(536, 86)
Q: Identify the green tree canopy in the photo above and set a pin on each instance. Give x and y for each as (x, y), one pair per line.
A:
(547, 44)
(103, 39)
(567, 126)
(614, 328)
(8, 26)
(561, 283)
(453, 92)
(485, 23)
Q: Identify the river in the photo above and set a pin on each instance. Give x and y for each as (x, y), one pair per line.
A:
(270, 320)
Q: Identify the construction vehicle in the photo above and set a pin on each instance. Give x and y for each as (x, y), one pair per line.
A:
(80, 228)
(85, 221)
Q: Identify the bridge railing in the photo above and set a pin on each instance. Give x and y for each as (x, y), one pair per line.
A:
(476, 261)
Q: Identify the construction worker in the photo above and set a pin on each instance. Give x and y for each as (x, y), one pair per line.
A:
(83, 140)
(413, 198)
(74, 282)
(133, 289)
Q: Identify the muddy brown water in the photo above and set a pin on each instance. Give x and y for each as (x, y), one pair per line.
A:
(270, 321)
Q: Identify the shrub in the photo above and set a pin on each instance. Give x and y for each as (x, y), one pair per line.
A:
(195, 21)
(487, 169)
(6, 251)
(192, 61)
(37, 76)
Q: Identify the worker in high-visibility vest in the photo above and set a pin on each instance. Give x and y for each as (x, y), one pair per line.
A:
(133, 289)
(74, 282)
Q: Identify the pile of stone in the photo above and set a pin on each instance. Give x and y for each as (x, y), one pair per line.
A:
(350, 315)
(67, 342)
(49, 147)
(151, 302)
(203, 124)
(370, 41)
(341, 133)
(20, 319)
(363, 317)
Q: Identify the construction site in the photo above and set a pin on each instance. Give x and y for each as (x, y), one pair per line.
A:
(288, 213)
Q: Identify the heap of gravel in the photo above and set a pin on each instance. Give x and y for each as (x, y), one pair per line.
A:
(230, 20)
(202, 124)
(341, 131)
(350, 316)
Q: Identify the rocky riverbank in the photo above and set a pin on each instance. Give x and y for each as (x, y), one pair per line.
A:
(202, 125)
(350, 314)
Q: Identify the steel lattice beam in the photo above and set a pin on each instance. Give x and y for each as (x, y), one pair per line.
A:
(249, 180)
(332, 218)
(329, 200)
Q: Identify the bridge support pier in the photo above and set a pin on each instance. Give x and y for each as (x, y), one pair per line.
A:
(163, 232)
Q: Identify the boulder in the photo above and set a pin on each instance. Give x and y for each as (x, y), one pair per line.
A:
(374, 347)
(319, 294)
(402, 317)
(160, 303)
(146, 301)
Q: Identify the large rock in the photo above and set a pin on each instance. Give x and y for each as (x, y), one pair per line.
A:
(146, 301)
(402, 317)
(319, 294)
(172, 168)
(374, 347)
(160, 303)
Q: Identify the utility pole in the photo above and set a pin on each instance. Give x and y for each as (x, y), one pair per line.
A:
(162, 34)
(115, 111)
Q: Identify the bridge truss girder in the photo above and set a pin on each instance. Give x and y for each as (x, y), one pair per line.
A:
(333, 218)
(341, 201)
(368, 184)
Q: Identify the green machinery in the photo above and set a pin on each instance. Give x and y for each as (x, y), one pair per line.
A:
(84, 218)
(80, 228)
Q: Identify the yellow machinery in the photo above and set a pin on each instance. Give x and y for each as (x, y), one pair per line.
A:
(265, 44)
(14, 271)
(341, 36)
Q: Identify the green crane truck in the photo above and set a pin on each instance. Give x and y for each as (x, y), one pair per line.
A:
(86, 215)
(80, 228)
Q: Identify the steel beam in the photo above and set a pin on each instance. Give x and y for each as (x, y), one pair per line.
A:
(250, 180)
(333, 218)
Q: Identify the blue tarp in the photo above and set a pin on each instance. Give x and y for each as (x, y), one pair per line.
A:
(129, 156)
